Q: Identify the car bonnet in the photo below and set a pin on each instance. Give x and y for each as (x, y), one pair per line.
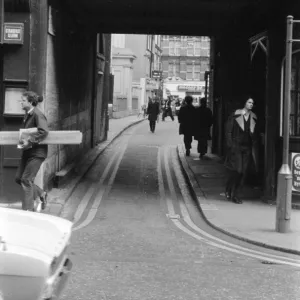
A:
(40, 232)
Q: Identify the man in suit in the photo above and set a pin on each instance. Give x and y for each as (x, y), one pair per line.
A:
(186, 119)
(33, 154)
(203, 122)
(168, 109)
(152, 112)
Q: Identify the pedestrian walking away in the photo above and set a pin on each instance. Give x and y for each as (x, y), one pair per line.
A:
(33, 154)
(186, 119)
(152, 112)
(203, 123)
(242, 141)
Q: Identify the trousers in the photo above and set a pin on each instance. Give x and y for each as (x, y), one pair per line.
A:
(152, 125)
(26, 173)
(202, 146)
(240, 161)
(187, 139)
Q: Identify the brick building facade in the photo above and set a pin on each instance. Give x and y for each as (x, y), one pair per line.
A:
(66, 62)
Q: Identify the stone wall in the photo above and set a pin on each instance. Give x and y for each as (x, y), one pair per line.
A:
(69, 89)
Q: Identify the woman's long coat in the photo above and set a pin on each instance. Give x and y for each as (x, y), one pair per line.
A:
(153, 111)
(186, 118)
(234, 130)
(203, 122)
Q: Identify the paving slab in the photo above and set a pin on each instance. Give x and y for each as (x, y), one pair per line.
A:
(253, 221)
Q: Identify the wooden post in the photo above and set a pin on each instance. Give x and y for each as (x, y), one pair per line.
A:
(54, 137)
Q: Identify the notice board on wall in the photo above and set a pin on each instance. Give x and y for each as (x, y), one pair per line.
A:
(295, 167)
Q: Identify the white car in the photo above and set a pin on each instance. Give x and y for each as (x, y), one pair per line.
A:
(34, 263)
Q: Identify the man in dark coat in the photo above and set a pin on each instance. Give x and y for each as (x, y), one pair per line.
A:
(186, 119)
(203, 122)
(152, 112)
(167, 110)
(242, 140)
(33, 154)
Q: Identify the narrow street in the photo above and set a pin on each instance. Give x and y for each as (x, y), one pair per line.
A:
(138, 235)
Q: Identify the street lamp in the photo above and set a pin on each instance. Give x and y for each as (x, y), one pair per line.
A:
(284, 184)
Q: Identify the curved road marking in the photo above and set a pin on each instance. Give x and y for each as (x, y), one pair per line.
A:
(188, 220)
(91, 191)
(102, 189)
(230, 247)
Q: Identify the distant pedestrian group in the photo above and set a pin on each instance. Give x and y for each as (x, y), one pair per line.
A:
(195, 123)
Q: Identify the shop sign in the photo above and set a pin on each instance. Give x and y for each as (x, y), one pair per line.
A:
(296, 172)
(156, 74)
(13, 33)
(190, 88)
(151, 84)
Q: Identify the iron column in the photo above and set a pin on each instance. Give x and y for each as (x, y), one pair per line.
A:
(284, 184)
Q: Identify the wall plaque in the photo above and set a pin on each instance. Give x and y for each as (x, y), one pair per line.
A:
(13, 33)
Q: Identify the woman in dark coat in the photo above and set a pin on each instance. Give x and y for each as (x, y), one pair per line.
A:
(186, 118)
(152, 112)
(242, 139)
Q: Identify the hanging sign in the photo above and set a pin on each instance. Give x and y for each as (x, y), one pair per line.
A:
(13, 33)
(296, 172)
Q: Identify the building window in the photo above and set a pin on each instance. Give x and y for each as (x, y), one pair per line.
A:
(172, 48)
(196, 72)
(174, 69)
(171, 70)
(197, 48)
(149, 42)
(190, 48)
(189, 72)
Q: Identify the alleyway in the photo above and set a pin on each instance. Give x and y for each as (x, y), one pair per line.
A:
(138, 235)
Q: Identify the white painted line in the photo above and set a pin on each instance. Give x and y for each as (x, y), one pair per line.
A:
(209, 207)
(176, 216)
(89, 194)
(231, 247)
(101, 191)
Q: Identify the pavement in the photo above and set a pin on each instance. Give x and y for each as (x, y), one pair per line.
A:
(253, 221)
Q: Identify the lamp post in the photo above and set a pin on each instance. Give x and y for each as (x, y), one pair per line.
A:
(284, 184)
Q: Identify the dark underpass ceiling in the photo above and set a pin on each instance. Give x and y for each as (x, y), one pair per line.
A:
(190, 17)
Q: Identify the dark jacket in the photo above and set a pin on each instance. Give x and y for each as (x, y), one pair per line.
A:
(203, 122)
(36, 119)
(186, 118)
(235, 131)
(152, 111)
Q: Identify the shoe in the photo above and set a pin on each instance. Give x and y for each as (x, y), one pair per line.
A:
(44, 201)
(38, 208)
(228, 195)
(187, 152)
(236, 200)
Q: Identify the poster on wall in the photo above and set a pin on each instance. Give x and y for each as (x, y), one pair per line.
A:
(12, 105)
(295, 172)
